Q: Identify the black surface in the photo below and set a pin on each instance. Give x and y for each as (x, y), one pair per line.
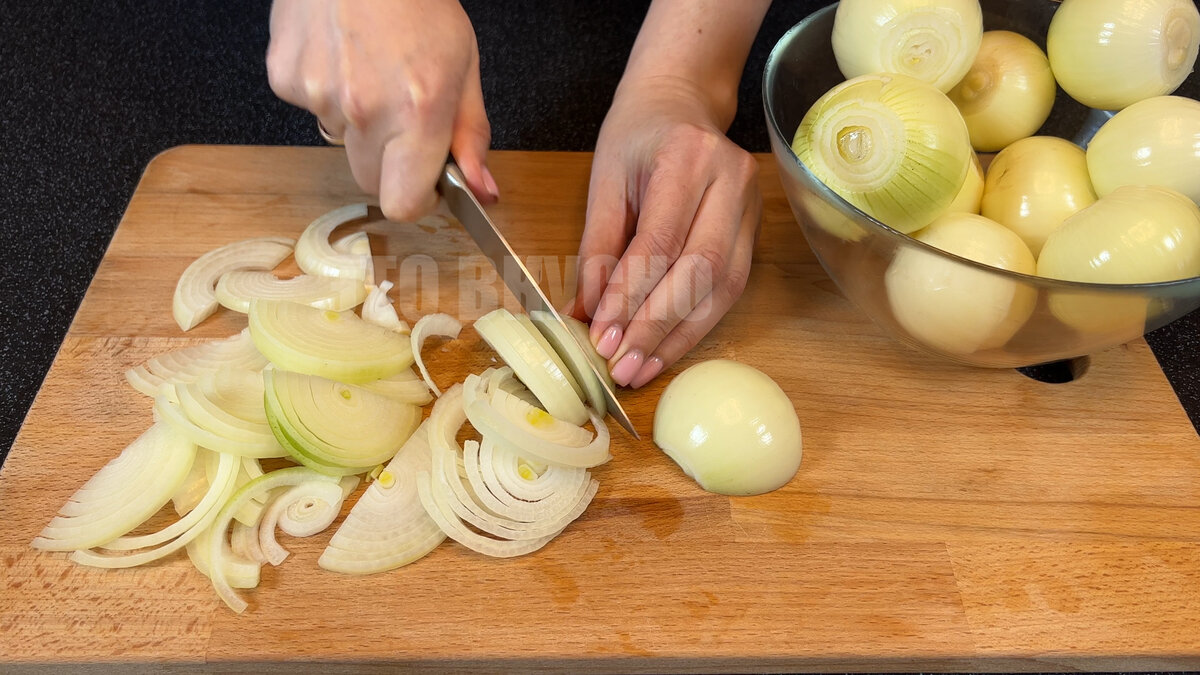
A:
(90, 92)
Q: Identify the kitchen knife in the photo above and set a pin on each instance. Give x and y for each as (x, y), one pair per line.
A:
(462, 203)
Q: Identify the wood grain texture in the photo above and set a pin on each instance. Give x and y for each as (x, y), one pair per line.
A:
(944, 518)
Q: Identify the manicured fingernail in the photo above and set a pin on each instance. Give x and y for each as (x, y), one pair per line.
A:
(608, 343)
(649, 371)
(627, 367)
(489, 182)
(568, 308)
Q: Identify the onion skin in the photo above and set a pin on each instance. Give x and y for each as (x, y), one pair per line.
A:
(1035, 184)
(730, 428)
(955, 307)
(1108, 54)
(935, 42)
(893, 146)
(1008, 93)
(1152, 142)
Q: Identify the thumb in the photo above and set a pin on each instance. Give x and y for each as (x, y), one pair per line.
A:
(472, 135)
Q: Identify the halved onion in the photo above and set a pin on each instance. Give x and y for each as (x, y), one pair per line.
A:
(528, 431)
(442, 325)
(237, 288)
(216, 543)
(336, 345)
(333, 427)
(377, 309)
(123, 493)
(195, 297)
(575, 347)
(534, 364)
(188, 364)
(316, 256)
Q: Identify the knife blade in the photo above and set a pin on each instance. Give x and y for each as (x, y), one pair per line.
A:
(462, 203)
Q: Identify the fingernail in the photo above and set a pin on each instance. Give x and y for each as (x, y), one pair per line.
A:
(649, 371)
(489, 182)
(627, 367)
(568, 308)
(608, 343)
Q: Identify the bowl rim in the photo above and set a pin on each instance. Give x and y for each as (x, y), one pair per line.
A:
(858, 215)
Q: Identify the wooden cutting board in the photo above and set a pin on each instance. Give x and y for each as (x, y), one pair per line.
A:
(944, 518)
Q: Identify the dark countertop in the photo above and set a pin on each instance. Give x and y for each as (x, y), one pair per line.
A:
(90, 92)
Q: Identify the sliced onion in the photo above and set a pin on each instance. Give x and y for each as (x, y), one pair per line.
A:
(508, 486)
(173, 415)
(316, 256)
(575, 347)
(535, 363)
(387, 528)
(377, 308)
(404, 386)
(195, 484)
(195, 296)
(333, 427)
(336, 345)
(301, 511)
(237, 288)
(358, 243)
(190, 363)
(229, 403)
(215, 541)
(506, 420)
(438, 508)
(239, 572)
(243, 543)
(442, 325)
(123, 493)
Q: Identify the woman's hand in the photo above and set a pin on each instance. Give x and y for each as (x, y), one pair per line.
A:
(398, 80)
(673, 214)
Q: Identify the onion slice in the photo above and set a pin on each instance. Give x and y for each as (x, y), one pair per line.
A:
(358, 244)
(301, 511)
(173, 415)
(316, 256)
(190, 363)
(575, 347)
(215, 541)
(442, 325)
(237, 288)
(336, 345)
(534, 362)
(377, 308)
(387, 527)
(123, 493)
(404, 386)
(239, 571)
(195, 296)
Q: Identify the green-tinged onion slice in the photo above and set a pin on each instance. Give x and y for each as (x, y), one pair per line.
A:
(891, 145)
(442, 325)
(335, 427)
(237, 288)
(575, 348)
(123, 493)
(528, 431)
(216, 543)
(534, 363)
(404, 386)
(195, 296)
(336, 345)
(316, 256)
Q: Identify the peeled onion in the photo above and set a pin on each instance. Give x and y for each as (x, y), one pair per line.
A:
(1035, 184)
(1152, 142)
(970, 195)
(730, 428)
(891, 145)
(953, 306)
(932, 41)
(1108, 54)
(1007, 94)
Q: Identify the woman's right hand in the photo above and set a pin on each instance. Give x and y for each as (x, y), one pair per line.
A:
(398, 80)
